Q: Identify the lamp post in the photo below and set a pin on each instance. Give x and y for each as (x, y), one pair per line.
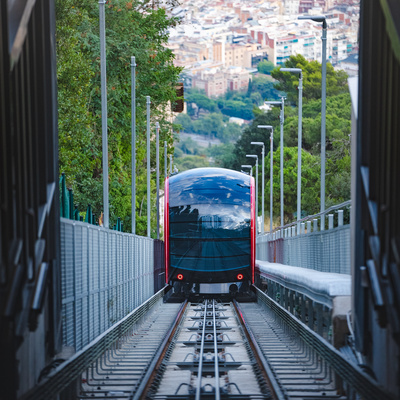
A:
(104, 129)
(148, 102)
(262, 182)
(165, 160)
(322, 18)
(158, 176)
(299, 139)
(271, 174)
(133, 142)
(282, 120)
(256, 157)
(247, 166)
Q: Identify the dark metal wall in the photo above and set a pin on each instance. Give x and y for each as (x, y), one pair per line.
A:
(159, 265)
(377, 205)
(29, 214)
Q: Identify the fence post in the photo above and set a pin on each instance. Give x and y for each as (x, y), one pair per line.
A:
(330, 219)
(308, 226)
(340, 217)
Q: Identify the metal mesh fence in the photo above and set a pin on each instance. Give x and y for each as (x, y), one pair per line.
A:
(105, 275)
(325, 251)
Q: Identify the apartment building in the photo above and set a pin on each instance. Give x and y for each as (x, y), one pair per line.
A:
(218, 80)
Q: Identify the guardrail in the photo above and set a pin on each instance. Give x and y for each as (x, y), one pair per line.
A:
(64, 375)
(301, 244)
(105, 275)
(355, 382)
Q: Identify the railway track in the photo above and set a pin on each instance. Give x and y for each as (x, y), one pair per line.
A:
(215, 350)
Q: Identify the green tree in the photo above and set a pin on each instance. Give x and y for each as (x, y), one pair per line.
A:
(132, 28)
(265, 67)
(189, 162)
(201, 100)
(265, 85)
(221, 155)
(310, 183)
(185, 122)
(288, 82)
(253, 134)
(238, 109)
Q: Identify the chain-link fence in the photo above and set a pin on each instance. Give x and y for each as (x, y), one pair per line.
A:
(307, 247)
(105, 275)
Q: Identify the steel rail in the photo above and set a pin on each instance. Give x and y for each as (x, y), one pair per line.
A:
(141, 391)
(216, 360)
(71, 369)
(269, 376)
(200, 369)
(358, 380)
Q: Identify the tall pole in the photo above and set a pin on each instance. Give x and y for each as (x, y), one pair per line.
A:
(322, 18)
(170, 164)
(323, 124)
(281, 121)
(133, 141)
(148, 166)
(158, 177)
(256, 157)
(262, 187)
(165, 160)
(299, 144)
(281, 104)
(104, 138)
(257, 196)
(271, 153)
(263, 180)
(299, 140)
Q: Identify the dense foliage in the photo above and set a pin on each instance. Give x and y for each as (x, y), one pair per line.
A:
(265, 67)
(338, 121)
(133, 28)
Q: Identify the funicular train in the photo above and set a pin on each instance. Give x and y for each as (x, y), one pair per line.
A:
(210, 231)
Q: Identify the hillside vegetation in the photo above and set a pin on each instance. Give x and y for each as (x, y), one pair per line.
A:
(133, 28)
(338, 126)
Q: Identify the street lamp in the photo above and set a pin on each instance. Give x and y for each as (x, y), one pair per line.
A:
(247, 166)
(148, 102)
(299, 139)
(322, 18)
(282, 119)
(271, 153)
(104, 128)
(262, 183)
(158, 176)
(256, 157)
(133, 142)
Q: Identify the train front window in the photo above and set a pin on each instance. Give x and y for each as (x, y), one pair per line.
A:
(209, 237)
(209, 221)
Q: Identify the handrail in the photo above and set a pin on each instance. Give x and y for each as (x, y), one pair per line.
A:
(332, 208)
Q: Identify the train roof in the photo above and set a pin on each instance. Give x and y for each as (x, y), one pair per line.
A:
(210, 186)
(212, 177)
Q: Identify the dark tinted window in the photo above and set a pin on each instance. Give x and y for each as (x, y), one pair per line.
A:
(209, 221)
(209, 237)
(209, 216)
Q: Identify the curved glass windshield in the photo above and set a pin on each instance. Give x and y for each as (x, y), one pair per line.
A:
(210, 237)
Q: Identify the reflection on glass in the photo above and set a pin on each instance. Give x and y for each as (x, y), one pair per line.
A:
(209, 237)
(209, 216)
